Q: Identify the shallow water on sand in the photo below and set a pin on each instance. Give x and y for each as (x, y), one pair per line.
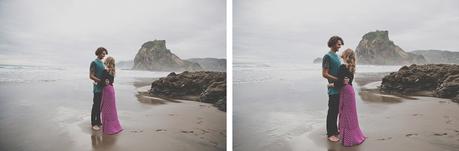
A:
(45, 108)
(284, 106)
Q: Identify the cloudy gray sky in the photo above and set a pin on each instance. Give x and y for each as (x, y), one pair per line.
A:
(68, 31)
(299, 29)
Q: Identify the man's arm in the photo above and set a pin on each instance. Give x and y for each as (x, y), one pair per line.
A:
(326, 69)
(92, 73)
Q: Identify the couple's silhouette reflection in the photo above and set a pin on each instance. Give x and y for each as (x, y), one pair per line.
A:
(101, 141)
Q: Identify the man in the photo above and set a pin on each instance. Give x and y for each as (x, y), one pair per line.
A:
(96, 71)
(330, 66)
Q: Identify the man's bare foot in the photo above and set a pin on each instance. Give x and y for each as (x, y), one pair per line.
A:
(333, 138)
(95, 127)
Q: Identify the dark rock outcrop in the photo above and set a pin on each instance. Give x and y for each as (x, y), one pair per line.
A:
(441, 79)
(203, 86)
(154, 55)
(210, 64)
(375, 48)
(439, 56)
(317, 60)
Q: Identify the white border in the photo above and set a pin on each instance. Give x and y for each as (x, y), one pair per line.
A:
(229, 75)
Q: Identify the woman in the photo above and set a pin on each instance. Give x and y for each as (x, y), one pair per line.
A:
(111, 124)
(348, 125)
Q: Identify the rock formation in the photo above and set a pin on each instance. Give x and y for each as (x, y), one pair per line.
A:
(317, 60)
(204, 86)
(375, 48)
(153, 55)
(441, 79)
(439, 56)
(210, 64)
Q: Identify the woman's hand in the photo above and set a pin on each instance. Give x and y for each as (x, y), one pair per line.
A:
(330, 85)
(346, 80)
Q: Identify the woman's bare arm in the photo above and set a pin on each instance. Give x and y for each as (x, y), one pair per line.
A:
(92, 75)
(325, 74)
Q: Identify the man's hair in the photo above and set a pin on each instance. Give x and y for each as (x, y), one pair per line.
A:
(100, 50)
(334, 40)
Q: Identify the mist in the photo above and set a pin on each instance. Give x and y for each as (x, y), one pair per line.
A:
(298, 30)
(67, 32)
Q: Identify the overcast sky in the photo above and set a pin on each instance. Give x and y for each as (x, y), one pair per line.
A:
(68, 31)
(299, 29)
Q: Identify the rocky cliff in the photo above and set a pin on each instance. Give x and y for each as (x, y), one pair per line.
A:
(203, 86)
(153, 55)
(376, 48)
(439, 56)
(210, 64)
(442, 80)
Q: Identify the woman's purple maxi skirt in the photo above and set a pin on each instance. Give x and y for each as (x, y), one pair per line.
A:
(348, 122)
(110, 122)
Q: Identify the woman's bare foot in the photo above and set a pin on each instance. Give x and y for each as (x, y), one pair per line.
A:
(333, 138)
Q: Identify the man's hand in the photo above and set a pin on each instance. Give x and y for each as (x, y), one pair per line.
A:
(331, 85)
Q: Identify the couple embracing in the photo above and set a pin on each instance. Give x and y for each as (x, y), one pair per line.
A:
(103, 73)
(341, 95)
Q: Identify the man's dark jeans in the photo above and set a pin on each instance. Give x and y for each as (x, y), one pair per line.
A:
(332, 115)
(95, 113)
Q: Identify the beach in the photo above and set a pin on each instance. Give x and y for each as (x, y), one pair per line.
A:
(49, 109)
(284, 107)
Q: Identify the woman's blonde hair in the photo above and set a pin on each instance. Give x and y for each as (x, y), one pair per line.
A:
(110, 63)
(349, 58)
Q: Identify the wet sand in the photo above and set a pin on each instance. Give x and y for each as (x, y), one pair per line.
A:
(417, 123)
(288, 111)
(55, 115)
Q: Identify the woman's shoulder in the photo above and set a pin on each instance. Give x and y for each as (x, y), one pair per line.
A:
(343, 67)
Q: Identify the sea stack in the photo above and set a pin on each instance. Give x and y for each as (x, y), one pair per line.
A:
(154, 56)
(375, 48)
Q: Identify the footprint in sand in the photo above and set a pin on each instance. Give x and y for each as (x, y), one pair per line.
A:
(160, 130)
(440, 134)
(223, 133)
(213, 142)
(417, 114)
(382, 139)
(203, 131)
(136, 131)
(186, 132)
(409, 135)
